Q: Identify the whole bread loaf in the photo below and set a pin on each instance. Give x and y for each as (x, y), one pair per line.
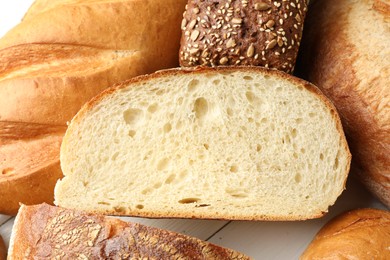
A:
(357, 234)
(222, 143)
(345, 51)
(232, 32)
(62, 54)
(68, 234)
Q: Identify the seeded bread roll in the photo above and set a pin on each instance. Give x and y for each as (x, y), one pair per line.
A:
(3, 250)
(242, 32)
(357, 234)
(68, 234)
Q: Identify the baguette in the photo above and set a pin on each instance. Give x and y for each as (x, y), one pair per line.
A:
(260, 33)
(357, 234)
(62, 54)
(345, 52)
(216, 143)
(68, 234)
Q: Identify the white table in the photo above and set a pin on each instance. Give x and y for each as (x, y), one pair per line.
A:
(261, 240)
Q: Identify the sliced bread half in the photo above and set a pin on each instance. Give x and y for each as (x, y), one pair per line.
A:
(219, 143)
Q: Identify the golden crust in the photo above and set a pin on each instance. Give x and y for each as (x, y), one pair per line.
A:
(346, 58)
(73, 54)
(204, 70)
(69, 233)
(358, 234)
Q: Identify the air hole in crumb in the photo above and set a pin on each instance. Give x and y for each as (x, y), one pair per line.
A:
(180, 100)
(132, 116)
(247, 78)
(193, 85)
(294, 133)
(189, 200)
(311, 114)
(298, 178)
(163, 164)
(7, 171)
(114, 156)
(85, 183)
(157, 185)
(202, 205)
(103, 203)
(132, 133)
(278, 89)
(295, 155)
(250, 119)
(206, 146)
(170, 179)
(152, 108)
(167, 127)
(264, 120)
(252, 98)
(298, 120)
(303, 150)
(258, 148)
(233, 168)
(146, 191)
(336, 163)
(139, 206)
(160, 92)
(229, 111)
(120, 209)
(321, 156)
(216, 81)
(201, 108)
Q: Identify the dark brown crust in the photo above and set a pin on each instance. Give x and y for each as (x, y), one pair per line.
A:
(253, 32)
(3, 250)
(43, 231)
(357, 234)
(203, 70)
(327, 59)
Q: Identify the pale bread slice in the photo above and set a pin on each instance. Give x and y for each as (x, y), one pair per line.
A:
(223, 143)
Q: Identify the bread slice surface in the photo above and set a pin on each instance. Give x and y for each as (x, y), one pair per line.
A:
(219, 143)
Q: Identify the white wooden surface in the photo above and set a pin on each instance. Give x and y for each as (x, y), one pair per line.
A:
(261, 240)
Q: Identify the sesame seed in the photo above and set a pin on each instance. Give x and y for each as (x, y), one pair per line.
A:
(194, 35)
(281, 21)
(251, 51)
(223, 60)
(230, 43)
(298, 18)
(262, 6)
(236, 20)
(183, 24)
(271, 44)
(192, 24)
(195, 10)
(270, 23)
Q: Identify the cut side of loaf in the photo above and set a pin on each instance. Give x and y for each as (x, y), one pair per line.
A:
(68, 234)
(219, 143)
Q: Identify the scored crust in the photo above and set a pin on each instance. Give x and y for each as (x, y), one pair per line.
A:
(261, 33)
(69, 234)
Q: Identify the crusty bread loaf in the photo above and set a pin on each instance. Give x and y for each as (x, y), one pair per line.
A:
(262, 33)
(345, 51)
(29, 154)
(69, 234)
(3, 250)
(357, 234)
(223, 143)
(62, 54)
